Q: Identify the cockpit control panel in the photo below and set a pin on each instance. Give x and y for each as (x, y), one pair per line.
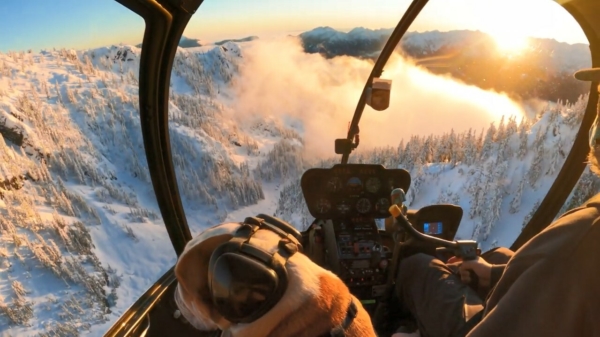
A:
(356, 254)
(348, 190)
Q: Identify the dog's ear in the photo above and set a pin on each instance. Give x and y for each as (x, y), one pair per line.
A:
(191, 270)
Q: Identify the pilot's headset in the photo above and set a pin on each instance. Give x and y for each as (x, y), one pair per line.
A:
(592, 75)
(246, 281)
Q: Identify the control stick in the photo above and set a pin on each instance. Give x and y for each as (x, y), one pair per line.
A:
(465, 249)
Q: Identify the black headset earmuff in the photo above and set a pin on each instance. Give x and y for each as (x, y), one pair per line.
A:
(245, 281)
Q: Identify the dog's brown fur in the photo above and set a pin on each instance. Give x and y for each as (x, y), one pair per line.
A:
(315, 301)
(322, 313)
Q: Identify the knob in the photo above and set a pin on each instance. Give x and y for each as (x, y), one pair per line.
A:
(383, 264)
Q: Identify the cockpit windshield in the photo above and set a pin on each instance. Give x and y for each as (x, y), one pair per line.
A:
(482, 113)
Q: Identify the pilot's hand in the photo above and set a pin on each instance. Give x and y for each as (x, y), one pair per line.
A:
(480, 267)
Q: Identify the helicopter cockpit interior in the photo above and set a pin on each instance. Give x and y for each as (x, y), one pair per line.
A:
(211, 159)
(346, 200)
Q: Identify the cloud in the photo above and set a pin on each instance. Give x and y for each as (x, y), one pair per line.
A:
(278, 80)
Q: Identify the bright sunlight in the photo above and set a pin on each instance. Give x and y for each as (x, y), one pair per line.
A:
(510, 42)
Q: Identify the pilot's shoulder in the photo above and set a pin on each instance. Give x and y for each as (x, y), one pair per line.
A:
(563, 236)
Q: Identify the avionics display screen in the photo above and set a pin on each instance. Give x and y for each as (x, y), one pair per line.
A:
(433, 228)
(360, 264)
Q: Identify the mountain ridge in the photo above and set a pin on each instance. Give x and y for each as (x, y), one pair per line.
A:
(542, 70)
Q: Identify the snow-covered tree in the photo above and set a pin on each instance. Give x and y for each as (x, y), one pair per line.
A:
(523, 141)
(515, 204)
(557, 156)
(488, 142)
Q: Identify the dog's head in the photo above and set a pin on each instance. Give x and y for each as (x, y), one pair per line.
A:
(314, 298)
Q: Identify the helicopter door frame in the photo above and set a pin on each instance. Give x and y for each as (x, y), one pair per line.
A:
(586, 13)
(165, 22)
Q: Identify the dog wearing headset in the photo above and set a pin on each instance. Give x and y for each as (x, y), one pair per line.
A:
(251, 279)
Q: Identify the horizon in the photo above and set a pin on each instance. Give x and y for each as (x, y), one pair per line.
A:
(74, 24)
(347, 30)
(205, 42)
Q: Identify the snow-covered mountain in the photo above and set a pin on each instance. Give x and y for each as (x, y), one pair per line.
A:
(543, 69)
(359, 42)
(77, 211)
(245, 39)
(81, 234)
(187, 42)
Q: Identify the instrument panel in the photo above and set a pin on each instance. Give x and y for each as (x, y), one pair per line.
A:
(347, 190)
(356, 253)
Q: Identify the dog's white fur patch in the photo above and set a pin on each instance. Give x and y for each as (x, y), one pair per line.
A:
(192, 314)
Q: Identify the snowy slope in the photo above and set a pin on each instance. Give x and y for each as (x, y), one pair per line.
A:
(77, 211)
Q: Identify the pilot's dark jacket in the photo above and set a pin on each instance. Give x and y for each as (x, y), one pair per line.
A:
(551, 286)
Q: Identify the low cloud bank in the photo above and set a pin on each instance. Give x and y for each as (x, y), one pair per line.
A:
(278, 80)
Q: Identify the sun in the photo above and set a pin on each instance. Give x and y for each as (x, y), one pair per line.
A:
(510, 42)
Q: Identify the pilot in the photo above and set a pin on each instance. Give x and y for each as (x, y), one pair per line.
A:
(549, 287)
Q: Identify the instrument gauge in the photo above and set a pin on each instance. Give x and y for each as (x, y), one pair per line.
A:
(354, 185)
(343, 226)
(334, 185)
(382, 205)
(391, 183)
(323, 206)
(363, 205)
(373, 184)
(343, 207)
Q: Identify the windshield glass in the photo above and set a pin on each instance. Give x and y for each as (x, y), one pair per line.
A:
(260, 91)
(480, 115)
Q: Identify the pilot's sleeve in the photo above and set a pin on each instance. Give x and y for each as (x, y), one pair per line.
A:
(553, 295)
(497, 271)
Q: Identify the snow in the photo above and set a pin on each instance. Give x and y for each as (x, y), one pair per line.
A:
(265, 206)
(81, 107)
(324, 33)
(78, 113)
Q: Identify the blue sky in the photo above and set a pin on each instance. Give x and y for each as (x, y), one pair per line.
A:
(42, 24)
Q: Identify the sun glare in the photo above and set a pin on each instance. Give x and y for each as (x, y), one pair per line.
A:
(510, 42)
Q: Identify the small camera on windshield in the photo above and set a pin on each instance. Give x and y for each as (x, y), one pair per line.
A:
(378, 96)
